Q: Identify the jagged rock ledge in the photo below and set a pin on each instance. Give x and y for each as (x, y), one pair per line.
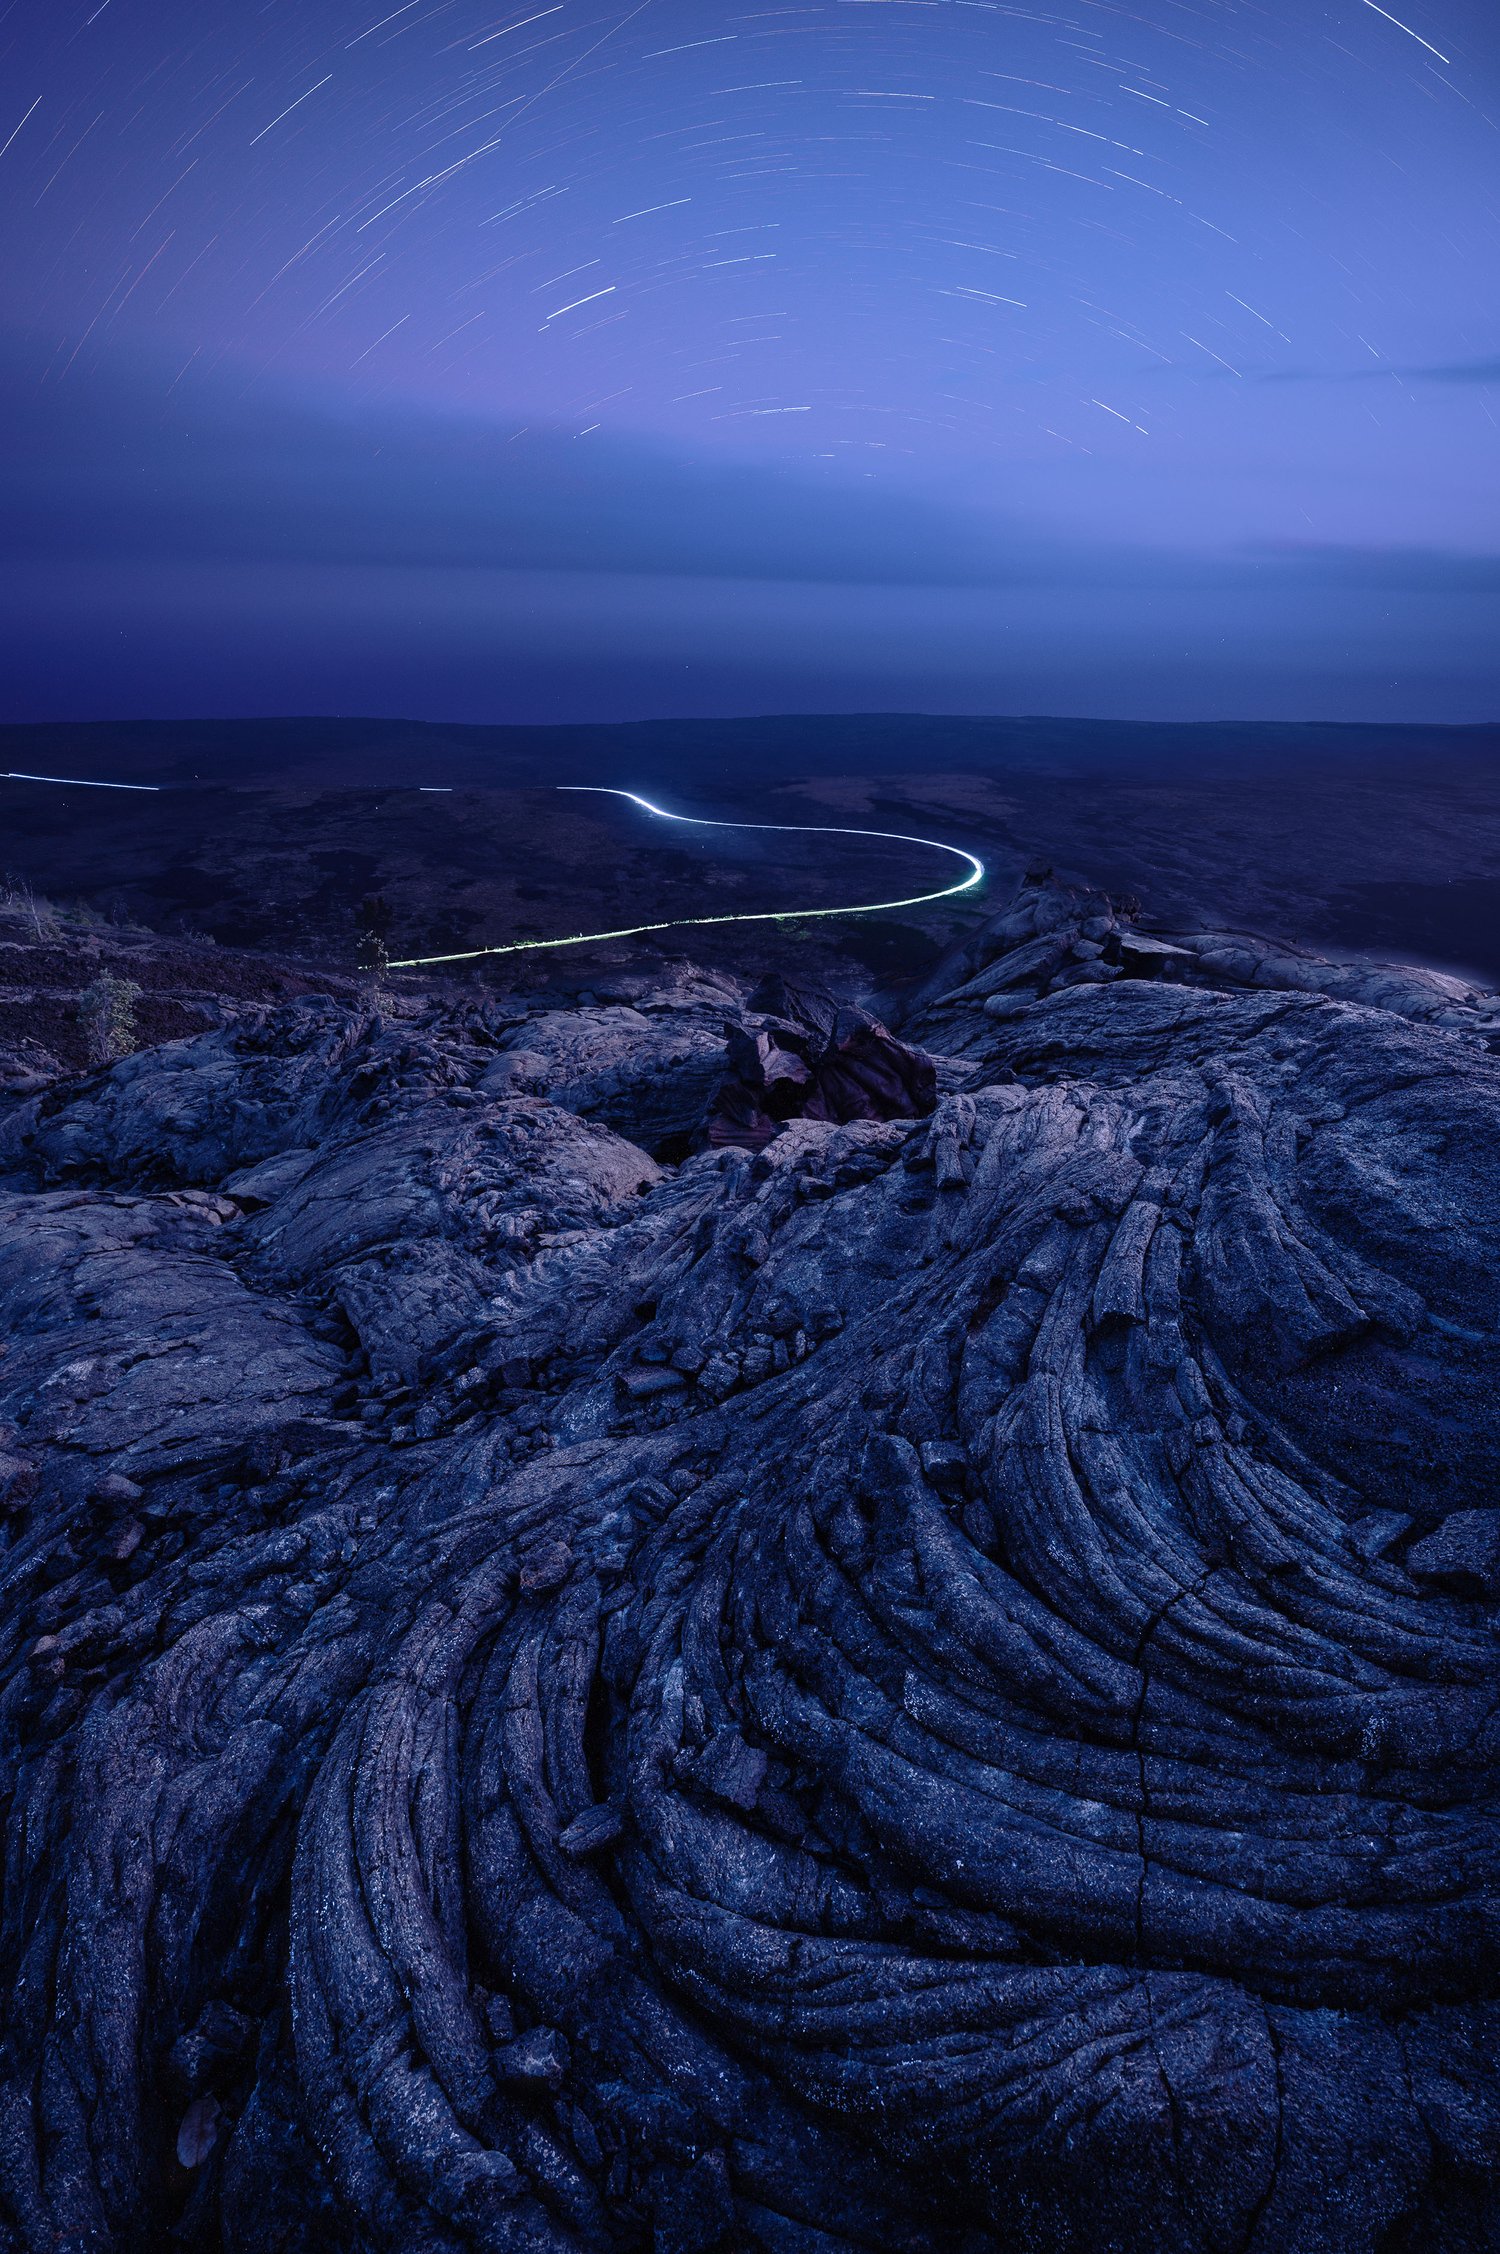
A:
(921, 1675)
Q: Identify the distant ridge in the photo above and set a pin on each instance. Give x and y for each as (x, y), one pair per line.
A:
(707, 753)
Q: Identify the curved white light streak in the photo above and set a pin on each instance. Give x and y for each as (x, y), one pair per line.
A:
(758, 916)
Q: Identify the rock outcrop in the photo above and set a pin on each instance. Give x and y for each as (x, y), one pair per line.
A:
(802, 1054)
(929, 1687)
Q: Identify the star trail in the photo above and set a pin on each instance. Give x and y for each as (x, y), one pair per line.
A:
(563, 361)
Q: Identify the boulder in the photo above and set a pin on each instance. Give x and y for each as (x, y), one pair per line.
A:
(1462, 1554)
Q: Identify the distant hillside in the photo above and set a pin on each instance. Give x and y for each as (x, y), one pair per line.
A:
(276, 832)
(708, 753)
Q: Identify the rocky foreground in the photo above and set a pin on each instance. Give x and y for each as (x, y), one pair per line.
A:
(681, 1625)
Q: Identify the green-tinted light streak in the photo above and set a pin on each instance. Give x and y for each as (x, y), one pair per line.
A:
(758, 916)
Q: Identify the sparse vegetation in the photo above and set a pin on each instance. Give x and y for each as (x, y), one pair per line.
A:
(374, 959)
(106, 1011)
(376, 915)
(19, 898)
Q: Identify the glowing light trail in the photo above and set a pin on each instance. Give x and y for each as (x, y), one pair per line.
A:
(1406, 27)
(758, 916)
(76, 782)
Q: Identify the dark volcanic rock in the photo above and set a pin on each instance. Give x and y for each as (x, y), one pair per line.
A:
(802, 1054)
(648, 1069)
(1464, 1553)
(931, 1687)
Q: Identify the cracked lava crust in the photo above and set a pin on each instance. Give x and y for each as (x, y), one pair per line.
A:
(927, 1686)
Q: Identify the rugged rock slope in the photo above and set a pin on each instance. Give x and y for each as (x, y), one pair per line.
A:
(928, 1687)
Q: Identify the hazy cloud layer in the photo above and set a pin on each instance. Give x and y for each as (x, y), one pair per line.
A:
(1485, 371)
(104, 465)
(110, 464)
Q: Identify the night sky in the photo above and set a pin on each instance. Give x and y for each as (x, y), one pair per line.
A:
(558, 362)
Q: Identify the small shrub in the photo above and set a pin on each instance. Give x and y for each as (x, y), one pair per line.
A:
(376, 916)
(17, 894)
(374, 958)
(106, 1011)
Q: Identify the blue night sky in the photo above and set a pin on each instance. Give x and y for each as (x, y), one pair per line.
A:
(560, 362)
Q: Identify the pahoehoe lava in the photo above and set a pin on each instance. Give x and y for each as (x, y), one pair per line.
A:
(930, 1688)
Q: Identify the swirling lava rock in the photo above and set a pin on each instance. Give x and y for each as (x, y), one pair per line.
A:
(932, 1689)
